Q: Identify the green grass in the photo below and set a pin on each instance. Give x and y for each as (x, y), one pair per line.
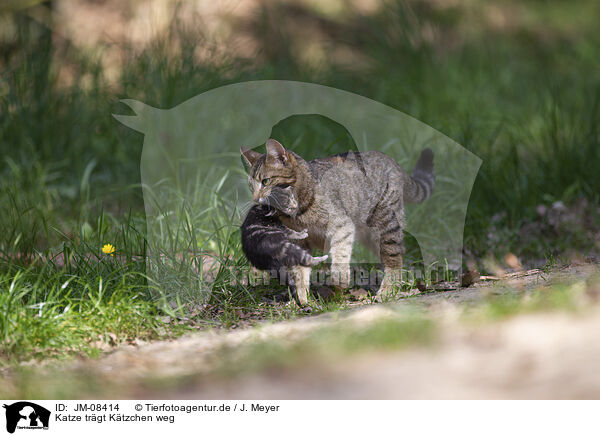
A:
(93, 305)
(308, 351)
(524, 99)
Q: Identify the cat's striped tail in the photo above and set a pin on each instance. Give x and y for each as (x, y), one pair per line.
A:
(421, 182)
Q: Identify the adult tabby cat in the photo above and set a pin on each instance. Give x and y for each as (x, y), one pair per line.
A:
(340, 199)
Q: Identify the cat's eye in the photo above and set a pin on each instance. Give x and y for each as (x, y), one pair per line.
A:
(266, 181)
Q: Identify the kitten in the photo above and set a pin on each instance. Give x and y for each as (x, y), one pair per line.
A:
(267, 243)
(342, 198)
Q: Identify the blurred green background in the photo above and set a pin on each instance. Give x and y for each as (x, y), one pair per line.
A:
(515, 82)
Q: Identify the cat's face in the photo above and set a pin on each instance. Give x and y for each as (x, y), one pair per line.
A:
(272, 177)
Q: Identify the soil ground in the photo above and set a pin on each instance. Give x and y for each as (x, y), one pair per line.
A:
(552, 354)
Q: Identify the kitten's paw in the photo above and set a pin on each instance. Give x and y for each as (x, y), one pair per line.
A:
(319, 259)
(299, 235)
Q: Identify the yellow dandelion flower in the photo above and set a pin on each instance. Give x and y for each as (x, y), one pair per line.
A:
(108, 249)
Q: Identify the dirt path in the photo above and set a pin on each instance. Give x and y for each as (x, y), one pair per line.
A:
(536, 355)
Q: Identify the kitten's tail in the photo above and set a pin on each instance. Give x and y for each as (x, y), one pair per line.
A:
(421, 182)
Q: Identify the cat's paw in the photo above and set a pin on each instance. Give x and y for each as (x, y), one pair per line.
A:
(390, 288)
(384, 295)
(339, 277)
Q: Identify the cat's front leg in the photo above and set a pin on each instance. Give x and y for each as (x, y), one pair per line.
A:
(300, 283)
(341, 241)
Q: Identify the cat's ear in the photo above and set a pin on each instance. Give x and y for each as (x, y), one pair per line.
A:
(250, 156)
(276, 154)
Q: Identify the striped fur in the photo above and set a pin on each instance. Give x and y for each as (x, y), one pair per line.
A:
(341, 199)
(268, 245)
(420, 185)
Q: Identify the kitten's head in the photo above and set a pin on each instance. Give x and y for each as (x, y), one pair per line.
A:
(281, 199)
(272, 177)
